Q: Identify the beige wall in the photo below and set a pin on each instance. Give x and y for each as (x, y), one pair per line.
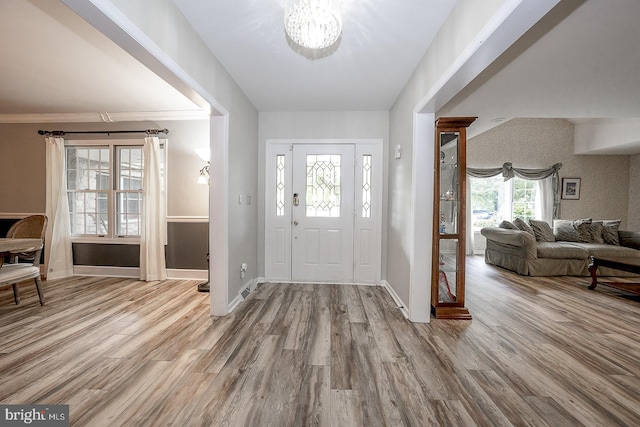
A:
(634, 193)
(539, 143)
(22, 155)
(22, 152)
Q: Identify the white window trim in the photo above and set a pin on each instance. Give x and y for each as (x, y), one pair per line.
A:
(114, 240)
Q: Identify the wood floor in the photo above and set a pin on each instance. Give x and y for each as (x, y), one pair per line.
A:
(539, 351)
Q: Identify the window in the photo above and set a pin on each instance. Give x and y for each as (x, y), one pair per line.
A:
(323, 185)
(523, 202)
(494, 200)
(280, 177)
(104, 188)
(366, 185)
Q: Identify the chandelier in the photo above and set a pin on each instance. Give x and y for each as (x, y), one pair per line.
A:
(314, 24)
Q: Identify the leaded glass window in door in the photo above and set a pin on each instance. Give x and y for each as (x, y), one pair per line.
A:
(323, 185)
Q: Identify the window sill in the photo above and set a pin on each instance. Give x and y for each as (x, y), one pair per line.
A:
(107, 240)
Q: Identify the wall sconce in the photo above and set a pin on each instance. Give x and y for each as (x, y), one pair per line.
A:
(204, 175)
(205, 155)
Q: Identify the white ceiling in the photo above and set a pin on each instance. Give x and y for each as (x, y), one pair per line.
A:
(55, 62)
(381, 44)
(582, 61)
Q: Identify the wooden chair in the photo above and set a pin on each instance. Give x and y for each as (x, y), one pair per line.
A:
(32, 227)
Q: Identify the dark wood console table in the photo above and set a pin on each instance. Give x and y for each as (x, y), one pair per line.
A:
(618, 263)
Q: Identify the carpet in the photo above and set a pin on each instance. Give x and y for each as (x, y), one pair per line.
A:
(629, 291)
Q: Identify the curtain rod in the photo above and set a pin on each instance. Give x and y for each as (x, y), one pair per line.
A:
(108, 132)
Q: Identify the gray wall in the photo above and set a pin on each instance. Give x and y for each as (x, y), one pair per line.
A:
(464, 23)
(177, 42)
(539, 143)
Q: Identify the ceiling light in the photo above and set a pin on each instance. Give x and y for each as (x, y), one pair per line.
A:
(314, 24)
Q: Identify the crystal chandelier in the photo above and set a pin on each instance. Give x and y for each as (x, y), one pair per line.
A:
(314, 24)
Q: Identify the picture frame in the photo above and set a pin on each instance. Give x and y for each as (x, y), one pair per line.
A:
(571, 188)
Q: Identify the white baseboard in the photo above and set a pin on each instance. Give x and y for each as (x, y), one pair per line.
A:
(186, 274)
(134, 272)
(94, 270)
(250, 286)
(394, 296)
(235, 303)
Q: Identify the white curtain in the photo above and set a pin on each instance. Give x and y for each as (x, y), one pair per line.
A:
(153, 234)
(545, 203)
(58, 253)
(469, 220)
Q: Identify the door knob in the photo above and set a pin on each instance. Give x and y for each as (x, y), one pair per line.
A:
(295, 222)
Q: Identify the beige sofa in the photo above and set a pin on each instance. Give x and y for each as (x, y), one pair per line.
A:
(520, 251)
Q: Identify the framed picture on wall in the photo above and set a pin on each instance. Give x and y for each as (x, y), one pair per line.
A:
(571, 188)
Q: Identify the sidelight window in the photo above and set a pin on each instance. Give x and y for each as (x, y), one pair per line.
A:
(366, 186)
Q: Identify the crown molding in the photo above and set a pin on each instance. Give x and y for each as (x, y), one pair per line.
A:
(138, 116)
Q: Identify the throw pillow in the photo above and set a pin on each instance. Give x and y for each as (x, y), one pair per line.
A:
(610, 232)
(595, 232)
(572, 230)
(508, 225)
(564, 231)
(542, 230)
(583, 226)
(519, 222)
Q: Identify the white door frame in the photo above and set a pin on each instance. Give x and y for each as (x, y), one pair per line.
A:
(367, 230)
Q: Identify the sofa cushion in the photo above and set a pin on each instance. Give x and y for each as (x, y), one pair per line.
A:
(603, 249)
(561, 250)
(519, 222)
(610, 231)
(542, 230)
(567, 230)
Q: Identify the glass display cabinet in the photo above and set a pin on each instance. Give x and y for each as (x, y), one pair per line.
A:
(449, 219)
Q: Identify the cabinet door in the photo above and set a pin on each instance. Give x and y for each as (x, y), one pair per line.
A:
(449, 183)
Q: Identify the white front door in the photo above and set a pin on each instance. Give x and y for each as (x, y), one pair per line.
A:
(332, 230)
(322, 212)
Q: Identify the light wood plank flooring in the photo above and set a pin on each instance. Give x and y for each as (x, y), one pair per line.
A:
(538, 352)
